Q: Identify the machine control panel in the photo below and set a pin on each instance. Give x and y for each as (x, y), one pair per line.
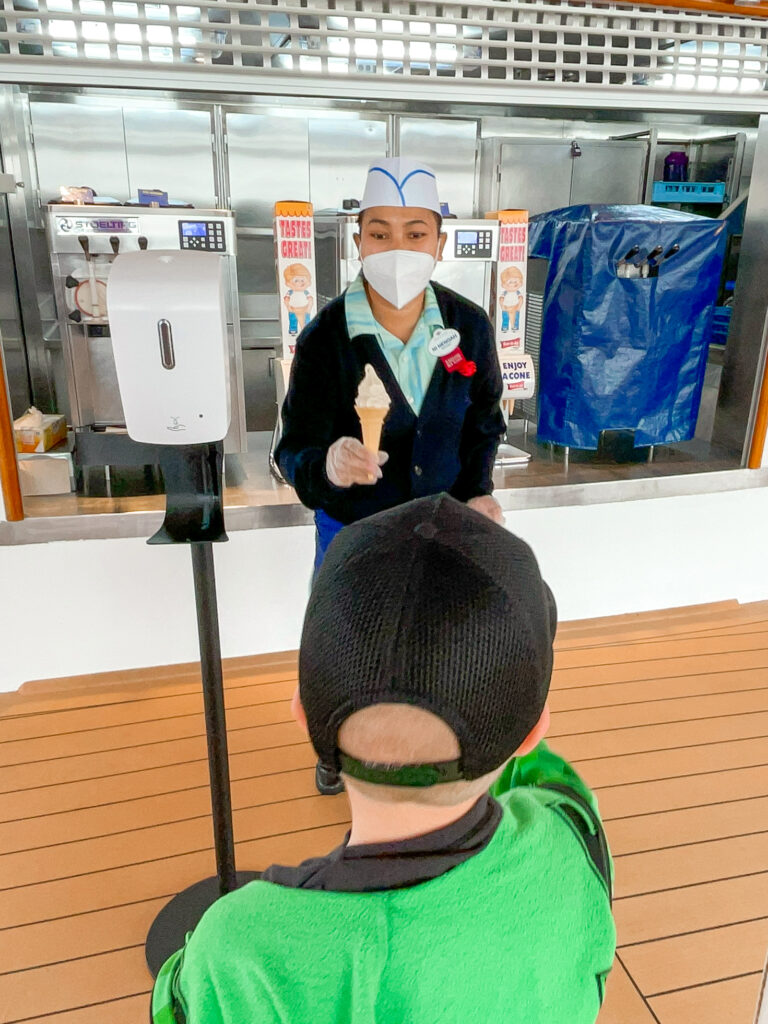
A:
(475, 244)
(202, 234)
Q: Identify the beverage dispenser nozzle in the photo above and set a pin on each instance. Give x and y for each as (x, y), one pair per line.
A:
(114, 241)
(142, 243)
(85, 245)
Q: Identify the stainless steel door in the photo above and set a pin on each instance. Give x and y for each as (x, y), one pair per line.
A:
(79, 144)
(260, 396)
(75, 143)
(535, 175)
(171, 150)
(11, 333)
(608, 172)
(546, 174)
(450, 147)
(285, 155)
(268, 160)
(340, 152)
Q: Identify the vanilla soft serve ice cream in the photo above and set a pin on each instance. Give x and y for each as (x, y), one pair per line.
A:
(371, 394)
(372, 407)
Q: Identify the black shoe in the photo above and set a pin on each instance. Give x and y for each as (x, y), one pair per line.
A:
(328, 781)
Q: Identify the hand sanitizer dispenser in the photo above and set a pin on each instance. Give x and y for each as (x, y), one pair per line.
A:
(167, 318)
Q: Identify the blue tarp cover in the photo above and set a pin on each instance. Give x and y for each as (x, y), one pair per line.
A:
(624, 353)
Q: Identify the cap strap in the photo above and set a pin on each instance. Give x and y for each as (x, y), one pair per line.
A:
(416, 775)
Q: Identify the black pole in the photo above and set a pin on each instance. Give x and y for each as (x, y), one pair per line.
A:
(194, 515)
(215, 716)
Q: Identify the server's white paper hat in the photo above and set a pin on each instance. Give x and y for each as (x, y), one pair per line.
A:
(398, 181)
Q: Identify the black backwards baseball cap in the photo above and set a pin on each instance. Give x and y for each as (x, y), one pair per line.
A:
(429, 604)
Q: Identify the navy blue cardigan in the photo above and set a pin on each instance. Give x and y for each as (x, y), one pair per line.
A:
(449, 447)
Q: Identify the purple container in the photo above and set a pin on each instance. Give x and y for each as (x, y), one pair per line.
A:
(676, 166)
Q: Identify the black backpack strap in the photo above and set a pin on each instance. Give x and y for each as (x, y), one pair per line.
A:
(587, 825)
(165, 1006)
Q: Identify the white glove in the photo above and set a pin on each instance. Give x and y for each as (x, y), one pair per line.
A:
(487, 505)
(349, 462)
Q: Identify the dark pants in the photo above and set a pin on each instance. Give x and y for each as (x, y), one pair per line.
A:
(326, 530)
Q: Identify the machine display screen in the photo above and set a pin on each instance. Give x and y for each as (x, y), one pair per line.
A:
(476, 244)
(203, 235)
(193, 229)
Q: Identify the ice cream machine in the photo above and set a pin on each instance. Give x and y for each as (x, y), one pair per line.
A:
(83, 242)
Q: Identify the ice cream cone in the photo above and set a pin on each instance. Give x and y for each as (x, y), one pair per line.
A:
(372, 421)
(372, 407)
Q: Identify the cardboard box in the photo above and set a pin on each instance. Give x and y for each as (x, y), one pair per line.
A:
(45, 474)
(39, 433)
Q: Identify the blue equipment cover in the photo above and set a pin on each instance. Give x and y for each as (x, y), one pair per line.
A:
(624, 352)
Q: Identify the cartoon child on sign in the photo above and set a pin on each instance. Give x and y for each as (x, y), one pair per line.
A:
(511, 298)
(298, 299)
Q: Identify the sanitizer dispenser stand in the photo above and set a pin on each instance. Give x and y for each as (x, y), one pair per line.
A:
(168, 325)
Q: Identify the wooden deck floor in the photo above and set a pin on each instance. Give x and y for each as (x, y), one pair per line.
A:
(104, 812)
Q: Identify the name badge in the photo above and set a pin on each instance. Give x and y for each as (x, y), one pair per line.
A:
(445, 345)
(444, 341)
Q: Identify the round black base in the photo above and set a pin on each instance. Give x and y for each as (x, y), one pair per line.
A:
(180, 915)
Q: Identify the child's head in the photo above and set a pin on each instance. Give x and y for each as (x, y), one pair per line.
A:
(512, 278)
(403, 734)
(426, 654)
(297, 276)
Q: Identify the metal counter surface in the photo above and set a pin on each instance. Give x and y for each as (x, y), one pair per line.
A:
(278, 506)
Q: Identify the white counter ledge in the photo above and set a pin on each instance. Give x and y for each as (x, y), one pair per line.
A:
(268, 513)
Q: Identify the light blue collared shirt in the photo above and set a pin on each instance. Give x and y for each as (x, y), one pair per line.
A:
(412, 363)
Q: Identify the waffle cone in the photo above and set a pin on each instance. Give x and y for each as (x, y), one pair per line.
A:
(371, 421)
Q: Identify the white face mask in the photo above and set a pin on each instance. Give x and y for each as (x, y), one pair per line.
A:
(398, 275)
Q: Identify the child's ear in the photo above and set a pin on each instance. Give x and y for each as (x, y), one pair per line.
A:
(297, 710)
(534, 737)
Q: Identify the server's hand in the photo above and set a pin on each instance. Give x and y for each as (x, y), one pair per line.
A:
(349, 462)
(487, 505)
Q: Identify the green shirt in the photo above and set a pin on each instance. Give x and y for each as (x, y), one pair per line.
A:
(520, 933)
(412, 364)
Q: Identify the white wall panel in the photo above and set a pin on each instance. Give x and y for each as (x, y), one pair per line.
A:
(135, 604)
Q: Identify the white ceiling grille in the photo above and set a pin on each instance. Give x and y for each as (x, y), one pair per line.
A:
(580, 44)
